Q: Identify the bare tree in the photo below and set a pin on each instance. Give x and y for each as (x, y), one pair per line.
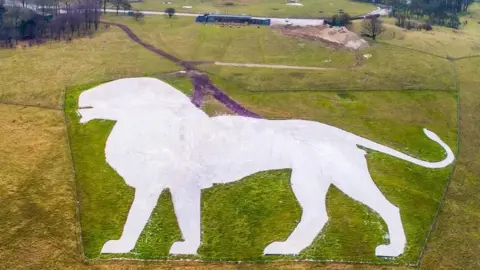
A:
(372, 27)
(138, 15)
(104, 2)
(17, 23)
(170, 12)
(126, 6)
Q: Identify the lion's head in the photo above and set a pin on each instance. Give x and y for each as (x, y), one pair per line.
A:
(122, 98)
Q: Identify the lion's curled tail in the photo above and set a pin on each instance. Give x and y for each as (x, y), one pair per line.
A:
(387, 150)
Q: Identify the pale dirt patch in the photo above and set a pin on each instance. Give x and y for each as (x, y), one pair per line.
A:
(339, 37)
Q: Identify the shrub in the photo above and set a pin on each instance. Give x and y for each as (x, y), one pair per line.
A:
(138, 15)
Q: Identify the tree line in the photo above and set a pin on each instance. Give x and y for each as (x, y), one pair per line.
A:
(410, 13)
(39, 20)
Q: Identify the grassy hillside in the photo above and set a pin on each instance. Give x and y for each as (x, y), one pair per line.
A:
(184, 38)
(389, 68)
(37, 220)
(39, 75)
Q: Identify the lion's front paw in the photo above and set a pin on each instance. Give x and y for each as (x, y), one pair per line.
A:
(281, 248)
(182, 247)
(117, 246)
(388, 251)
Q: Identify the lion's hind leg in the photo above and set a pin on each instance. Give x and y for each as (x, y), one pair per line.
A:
(310, 192)
(359, 185)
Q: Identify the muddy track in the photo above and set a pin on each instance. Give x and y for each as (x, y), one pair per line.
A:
(201, 83)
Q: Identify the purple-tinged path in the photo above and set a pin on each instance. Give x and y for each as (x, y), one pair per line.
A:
(201, 84)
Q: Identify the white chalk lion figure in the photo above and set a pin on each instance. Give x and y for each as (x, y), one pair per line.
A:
(161, 140)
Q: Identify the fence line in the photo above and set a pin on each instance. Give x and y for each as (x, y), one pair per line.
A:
(449, 181)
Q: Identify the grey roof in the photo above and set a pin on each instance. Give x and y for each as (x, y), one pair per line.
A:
(229, 16)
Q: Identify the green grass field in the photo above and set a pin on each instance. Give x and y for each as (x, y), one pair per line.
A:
(245, 212)
(38, 218)
(184, 38)
(271, 8)
(389, 68)
(47, 70)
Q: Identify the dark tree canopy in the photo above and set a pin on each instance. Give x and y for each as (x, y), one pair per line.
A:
(440, 12)
(45, 21)
(170, 12)
(138, 15)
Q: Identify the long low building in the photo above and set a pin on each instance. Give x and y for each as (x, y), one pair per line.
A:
(229, 18)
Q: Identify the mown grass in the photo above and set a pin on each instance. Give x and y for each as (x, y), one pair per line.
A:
(274, 8)
(37, 217)
(188, 40)
(389, 68)
(261, 208)
(39, 75)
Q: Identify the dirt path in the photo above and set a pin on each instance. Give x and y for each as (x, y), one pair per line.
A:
(270, 66)
(201, 83)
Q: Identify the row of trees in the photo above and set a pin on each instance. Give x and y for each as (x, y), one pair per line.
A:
(439, 12)
(46, 20)
(40, 20)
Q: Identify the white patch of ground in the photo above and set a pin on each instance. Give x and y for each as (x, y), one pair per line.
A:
(295, 4)
(161, 140)
(187, 7)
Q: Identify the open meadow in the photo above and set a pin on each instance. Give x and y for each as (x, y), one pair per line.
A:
(389, 68)
(62, 201)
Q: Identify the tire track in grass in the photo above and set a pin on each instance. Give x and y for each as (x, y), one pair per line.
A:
(201, 83)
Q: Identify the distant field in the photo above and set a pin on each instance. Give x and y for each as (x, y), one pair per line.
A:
(184, 38)
(270, 8)
(38, 75)
(441, 41)
(389, 68)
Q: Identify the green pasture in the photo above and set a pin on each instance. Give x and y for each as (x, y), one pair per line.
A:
(261, 208)
(184, 38)
(388, 68)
